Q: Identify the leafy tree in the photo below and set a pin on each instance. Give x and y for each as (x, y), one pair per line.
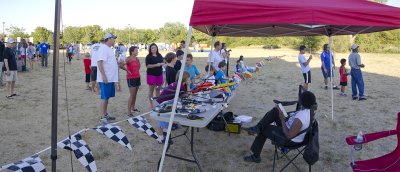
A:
(92, 34)
(41, 33)
(72, 34)
(15, 31)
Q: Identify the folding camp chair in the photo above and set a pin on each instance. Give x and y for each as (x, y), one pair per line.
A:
(388, 162)
(285, 149)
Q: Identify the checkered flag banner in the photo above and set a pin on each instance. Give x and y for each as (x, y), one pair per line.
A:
(81, 150)
(114, 133)
(30, 164)
(141, 123)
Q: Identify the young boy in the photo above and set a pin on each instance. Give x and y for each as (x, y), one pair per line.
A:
(343, 77)
(87, 63)
(170, 72)
(168, 94)
(178, 64)
(305, 67)
(192, 69)
(220, 75)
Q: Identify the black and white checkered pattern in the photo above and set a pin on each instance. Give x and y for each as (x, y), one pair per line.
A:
(114, 133)
(30, 164)
(141, 123)
(81, 150)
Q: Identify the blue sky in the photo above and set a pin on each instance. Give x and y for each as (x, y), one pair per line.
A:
(106, 13)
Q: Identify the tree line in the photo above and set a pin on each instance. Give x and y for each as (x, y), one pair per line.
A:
(380, 42)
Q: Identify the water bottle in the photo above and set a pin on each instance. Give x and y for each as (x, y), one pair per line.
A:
(359, 140)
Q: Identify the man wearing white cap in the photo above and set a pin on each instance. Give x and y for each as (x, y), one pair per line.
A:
(357, 80)
(107, 75)
(10, 63)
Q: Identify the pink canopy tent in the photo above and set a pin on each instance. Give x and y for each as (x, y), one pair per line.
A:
(266, 18)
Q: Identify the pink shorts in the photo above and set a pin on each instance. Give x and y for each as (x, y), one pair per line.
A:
(155, 80)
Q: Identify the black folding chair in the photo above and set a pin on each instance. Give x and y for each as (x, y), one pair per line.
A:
(298, 149)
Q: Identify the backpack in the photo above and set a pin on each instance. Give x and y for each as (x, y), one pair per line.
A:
(311, 151)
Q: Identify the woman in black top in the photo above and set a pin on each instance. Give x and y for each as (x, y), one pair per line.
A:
(154, 63)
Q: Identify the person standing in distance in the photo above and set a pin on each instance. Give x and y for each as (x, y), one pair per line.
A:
(357, 80)
(44, 48)
(10, 62)
(305, 67)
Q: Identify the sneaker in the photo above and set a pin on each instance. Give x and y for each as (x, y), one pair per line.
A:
(252, 158)
(103, 121)
(252, 131)
(355, 98)
(326, 87)
(362, 98)
(336, 87)
(109, 117)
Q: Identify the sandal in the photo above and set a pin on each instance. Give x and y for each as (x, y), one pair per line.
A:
(12, 95)
(130, 115)
(252, 158)
(135, 110)
(9, 97)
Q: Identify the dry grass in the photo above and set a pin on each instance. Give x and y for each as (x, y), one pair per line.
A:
(25, 120)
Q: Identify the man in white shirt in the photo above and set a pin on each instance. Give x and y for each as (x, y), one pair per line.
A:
(215, 56)
(305, 67)
(107, 75)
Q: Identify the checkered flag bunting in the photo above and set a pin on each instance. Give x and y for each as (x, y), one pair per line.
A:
(30, 164)
(141, 123)
(114, 133)
(81, 150)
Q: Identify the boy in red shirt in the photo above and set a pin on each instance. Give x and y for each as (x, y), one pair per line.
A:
(86, 63)
(343, 77)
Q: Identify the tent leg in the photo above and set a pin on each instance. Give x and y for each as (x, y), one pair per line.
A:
(171, 119)
(209, 63)
(330, 61)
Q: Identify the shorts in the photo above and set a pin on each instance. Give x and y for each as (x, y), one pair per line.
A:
(328, 74)
(134, 82)
(107, 90)
(343, 83)
(87, 78)
(12, 76)
(307, 77)
(93, 73)
(162, 124)
(155, 80)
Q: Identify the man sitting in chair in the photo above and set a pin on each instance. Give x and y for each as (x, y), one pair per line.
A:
(286, 130)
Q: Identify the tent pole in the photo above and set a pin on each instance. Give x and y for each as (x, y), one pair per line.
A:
(209, 63)
(54, 99)
(171, 119)
(330, 61)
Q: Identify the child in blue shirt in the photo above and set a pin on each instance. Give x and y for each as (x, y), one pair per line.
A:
(192, 70)
(220, 75)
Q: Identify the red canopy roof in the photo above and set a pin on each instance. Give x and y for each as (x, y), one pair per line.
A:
(292, 17)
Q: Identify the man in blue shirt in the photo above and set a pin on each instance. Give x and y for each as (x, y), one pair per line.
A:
(44, 52)
(326, 66)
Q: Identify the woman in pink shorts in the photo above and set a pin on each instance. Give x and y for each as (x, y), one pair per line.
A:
(154, 63)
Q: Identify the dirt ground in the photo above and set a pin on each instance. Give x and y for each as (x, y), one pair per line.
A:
(26, 123)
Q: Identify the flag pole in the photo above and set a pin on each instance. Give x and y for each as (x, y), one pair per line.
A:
(331, 70)
(54, 102)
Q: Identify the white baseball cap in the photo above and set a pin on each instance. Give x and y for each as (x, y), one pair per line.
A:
(10, 41)
(109, 35)
(354, 46)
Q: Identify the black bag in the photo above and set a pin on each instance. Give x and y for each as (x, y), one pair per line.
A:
(218, 124)
(311, 152)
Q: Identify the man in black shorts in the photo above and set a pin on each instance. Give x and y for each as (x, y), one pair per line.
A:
(93, 73)
(305, 67)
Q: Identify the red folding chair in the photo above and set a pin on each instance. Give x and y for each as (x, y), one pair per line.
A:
(388, 162)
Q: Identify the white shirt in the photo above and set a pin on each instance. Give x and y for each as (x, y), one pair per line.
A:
(215, 57)
(94, 51)
(22, 51)
(302, 60)
(304, 117)
(110, 65)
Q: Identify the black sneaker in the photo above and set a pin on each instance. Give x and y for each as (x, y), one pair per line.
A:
(355, 98)
(362, 98)
(252, 158)
(336, 87)
(252, 131)
(326, 87)
(109, 118)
